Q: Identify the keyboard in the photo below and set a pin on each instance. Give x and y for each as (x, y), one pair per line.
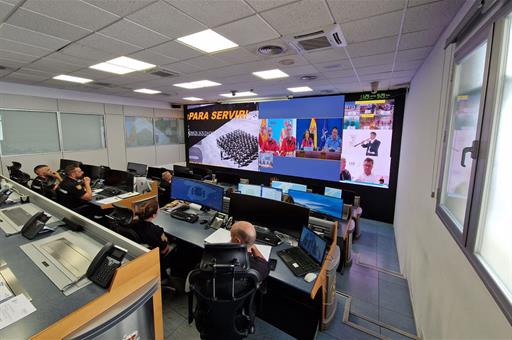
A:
(109, 192)
(180, 215)
(298, 261)
(264, 235)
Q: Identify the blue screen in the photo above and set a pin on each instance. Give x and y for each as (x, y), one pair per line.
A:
(312, 244)
(332, 192)
(249, 189)
(326, 205)
(272, 193)
(285, 186)
(193, 191)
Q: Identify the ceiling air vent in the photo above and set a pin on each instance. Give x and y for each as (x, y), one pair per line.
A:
(271, 50)
(330, 37)
(308, 77)
(162, 73)
(98, 83)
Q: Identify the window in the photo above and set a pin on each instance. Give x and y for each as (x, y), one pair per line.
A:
(181, 131)
(26, 132)
(166, 131)
(474, 187)
(139, 131)
(82, 131)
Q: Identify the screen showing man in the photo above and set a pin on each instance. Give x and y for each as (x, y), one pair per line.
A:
(367, 176)
(333, 142)
(270, 144)
(372, 145)
(344, 173)
(288, 143)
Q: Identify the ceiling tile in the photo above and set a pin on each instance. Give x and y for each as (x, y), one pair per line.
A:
(24, 58)
(91, 74)
(26, 36)
(109, 45)
(237, 56)
(342, 73)
(12, 63)
(206, 62)
(12, 2)
(183, 67)
(75, 12)
(413, 3)
(213, 13)
(376, 76)
(419, 39)
(408, 65)
(176, 50)
(361, 71)
(333, 65)
(379, 46)
(5, 9)
(434, 15)
(86, 55)
(120, 7)
(152, 58)
(46, 25)
(128, 79)
(167, 20)
(14, 46)
(133, 33)
(240, 32)
(332, 54)
(53, 65)
(414, 54)
(29, 76)
(351, 10)
(263, 5)
(379, 59)
(298, 17)
(404, 74)
(385, 25)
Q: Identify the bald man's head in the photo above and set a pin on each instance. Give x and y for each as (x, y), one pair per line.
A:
(243, 232)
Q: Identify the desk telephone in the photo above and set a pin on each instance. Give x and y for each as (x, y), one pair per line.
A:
(104, 265)
(220, 220)
(4, 195)
(34, 225)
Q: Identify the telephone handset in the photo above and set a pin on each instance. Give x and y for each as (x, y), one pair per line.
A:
(104, 265)
(220, 220)
(4, 195)
(34, 225)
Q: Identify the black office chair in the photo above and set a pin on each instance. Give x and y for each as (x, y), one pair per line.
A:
(120, 219)
(17, 175)
(224, 287)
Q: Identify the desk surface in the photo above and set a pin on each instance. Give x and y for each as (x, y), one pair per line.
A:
(51, 304)
(195, 233)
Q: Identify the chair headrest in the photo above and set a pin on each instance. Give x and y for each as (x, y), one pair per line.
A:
(228, 256)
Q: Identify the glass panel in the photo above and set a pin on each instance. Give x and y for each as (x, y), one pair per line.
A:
(494, 240)
(166, 131)
(25, 132)
(467, 90)
(181, 131)
(139, 131)
(82, 131)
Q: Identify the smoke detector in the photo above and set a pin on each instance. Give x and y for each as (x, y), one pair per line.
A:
(287, 62)
(269, 50)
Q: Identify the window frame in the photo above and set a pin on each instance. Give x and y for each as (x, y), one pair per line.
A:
(154, 130)
(490, 106)
(126, 132)
(61, 129)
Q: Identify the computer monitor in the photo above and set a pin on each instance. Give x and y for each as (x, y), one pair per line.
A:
(137, 205)
(120, 179)
(325, 205)
(224, 177)
(205, 194)
(155, 173)
(285, 186)
(93, 171)
(65, 162)
(249, 189)
(272, 193)
(332, 192)
(184, 172)
(137, 169)
(313, 244)
(275, 215)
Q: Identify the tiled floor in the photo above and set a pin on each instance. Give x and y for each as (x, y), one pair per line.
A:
(374, 293)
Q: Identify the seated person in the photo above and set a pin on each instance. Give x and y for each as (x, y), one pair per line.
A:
(244, 233)
(46, 181)
(151, 234)
(307, 141)
(164, 189)
(270, 144)
(288, 144)
(333, 142)
(74, 191)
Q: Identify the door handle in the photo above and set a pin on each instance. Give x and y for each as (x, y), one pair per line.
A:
(474, 153)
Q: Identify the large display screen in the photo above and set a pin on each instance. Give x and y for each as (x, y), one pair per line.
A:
(321, 138)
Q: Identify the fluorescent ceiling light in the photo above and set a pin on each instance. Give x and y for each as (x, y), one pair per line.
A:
(193, 99)
(122, 65)
(72, 79)
(207, 41)
(300, 89)
(147, 91)
(270, 74)
(239, 94)
(197, 84)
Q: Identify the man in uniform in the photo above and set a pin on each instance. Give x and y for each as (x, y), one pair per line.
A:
(46, 181)
(74, 191)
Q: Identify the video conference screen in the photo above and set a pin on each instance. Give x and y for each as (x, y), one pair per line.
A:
(322, 138)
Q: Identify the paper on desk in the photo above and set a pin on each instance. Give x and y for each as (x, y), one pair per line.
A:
(109, 200)
(5, 292)
(15, 309)
(224, 236)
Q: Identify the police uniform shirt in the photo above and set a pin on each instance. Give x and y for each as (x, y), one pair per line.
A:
(71, 192)
(43, 185)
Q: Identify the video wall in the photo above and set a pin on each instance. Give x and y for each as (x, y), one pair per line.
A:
(322, 138)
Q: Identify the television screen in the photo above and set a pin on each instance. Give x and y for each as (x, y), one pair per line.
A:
(249, 189)
(326, 205)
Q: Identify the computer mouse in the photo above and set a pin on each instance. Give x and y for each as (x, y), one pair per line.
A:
(310, 277)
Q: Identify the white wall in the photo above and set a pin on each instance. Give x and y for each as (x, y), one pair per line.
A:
(449, 299)
(115, 155)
